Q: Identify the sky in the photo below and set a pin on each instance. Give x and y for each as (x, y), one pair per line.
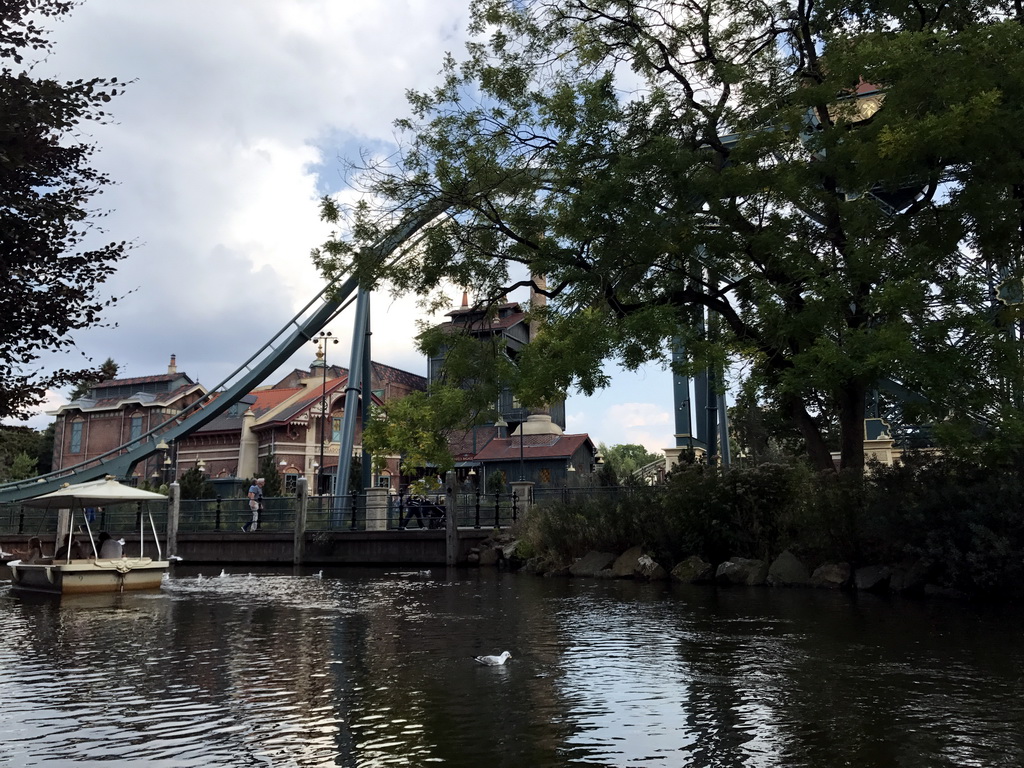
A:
(237, 119)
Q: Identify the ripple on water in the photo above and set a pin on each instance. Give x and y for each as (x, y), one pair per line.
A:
(375, 669)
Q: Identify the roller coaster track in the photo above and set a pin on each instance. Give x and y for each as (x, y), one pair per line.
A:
(312, 318)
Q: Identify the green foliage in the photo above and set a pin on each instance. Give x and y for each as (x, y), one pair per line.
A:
(954, 518)
(273, 486)
(625, 459)
(597, 145)
(51, 273)
(496, 481)
(195, 485)
(24, 450)
(88, 379)
(416, 428)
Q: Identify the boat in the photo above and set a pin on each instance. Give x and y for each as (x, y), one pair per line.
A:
(67, 576)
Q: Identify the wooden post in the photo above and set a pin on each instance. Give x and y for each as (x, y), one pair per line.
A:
(451, 529)
(173, 515)
(302, 496)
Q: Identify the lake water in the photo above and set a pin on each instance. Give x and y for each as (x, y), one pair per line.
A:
(374, 667)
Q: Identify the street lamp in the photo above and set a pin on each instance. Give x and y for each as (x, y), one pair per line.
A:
(321, 352)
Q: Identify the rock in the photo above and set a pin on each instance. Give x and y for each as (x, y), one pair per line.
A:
(909, 577)
(488, 556)
(647, 568)
(934, 590)
(625, 565)
(831, 575)
(742, 570)
(591, 563)
(788, 571)
(558, 570)
(872, 578)
(693, 570)
(473, 558)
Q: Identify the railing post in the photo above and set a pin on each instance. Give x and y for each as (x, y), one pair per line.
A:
(302, 499)
(476, 523)
(354, 498)
(451, 529)
(376, 509)
(173, 515)
(497, 509)
(216, 519)
(522, 498)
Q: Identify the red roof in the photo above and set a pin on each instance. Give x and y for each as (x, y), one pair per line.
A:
(533, 447)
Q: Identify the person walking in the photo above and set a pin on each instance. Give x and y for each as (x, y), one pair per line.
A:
(255, 504)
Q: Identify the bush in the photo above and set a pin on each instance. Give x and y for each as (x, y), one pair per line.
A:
(961, 518)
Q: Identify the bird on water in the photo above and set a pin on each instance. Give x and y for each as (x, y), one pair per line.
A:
(493, 661)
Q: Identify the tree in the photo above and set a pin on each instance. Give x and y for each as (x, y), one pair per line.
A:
(821, 192)
(48, 233)
(274, 486)
(22, 450)
(105, 372)
(195, 485)
(625, 459)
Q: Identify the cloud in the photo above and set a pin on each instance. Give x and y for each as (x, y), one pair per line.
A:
(234, 125)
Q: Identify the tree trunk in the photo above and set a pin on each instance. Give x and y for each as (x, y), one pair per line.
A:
(817, 450)
(851, 427)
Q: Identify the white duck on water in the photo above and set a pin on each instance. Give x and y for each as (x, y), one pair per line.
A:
(493, 661)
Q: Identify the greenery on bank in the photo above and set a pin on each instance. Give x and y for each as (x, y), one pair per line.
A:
(957, 517)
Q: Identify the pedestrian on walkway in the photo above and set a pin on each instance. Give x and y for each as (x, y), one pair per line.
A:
(255, 504)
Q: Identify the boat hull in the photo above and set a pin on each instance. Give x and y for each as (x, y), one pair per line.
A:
(89, 576)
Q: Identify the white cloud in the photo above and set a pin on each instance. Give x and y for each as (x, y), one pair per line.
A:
(233, 127)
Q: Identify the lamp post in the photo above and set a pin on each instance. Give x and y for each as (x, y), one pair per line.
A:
(321, 351)
(502, 424)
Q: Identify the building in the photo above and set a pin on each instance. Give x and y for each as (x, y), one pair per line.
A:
(297, 421)
(116, 412)
(522, 444)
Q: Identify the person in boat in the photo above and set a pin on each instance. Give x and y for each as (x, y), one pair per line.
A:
(77, 551)
(109, 546)
(33, 553)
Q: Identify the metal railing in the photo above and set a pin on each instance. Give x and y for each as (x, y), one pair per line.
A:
(474, 509)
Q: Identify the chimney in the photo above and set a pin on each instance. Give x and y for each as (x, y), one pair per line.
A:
(173, 367)
(465, 299)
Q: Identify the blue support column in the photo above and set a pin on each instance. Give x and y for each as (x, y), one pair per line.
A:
(681, 398)
(352, 409)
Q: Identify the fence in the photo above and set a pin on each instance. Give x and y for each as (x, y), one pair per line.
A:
(324, 513)
(18, 520)
(474, 509)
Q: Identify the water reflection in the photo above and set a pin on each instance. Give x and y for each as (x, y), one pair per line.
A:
(374, 668)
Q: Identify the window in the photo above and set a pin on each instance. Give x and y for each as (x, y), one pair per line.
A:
(76, 437)
(335, 430)
(291, 483)
(136, 428)
(545, 476)
(384, 481)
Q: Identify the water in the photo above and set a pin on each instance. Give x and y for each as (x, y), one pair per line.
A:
(374, 668)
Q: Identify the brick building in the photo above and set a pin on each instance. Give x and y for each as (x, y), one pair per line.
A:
(296, 420)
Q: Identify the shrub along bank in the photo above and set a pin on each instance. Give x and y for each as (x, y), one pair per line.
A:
(956, 524)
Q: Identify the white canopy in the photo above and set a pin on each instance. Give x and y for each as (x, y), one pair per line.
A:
(92, 493)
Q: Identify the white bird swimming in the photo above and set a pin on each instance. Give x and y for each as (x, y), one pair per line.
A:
(493, 661)
(223, 574)
(319, 574)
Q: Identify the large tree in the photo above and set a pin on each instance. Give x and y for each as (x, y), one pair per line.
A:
(838, 184)
(50, 247)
